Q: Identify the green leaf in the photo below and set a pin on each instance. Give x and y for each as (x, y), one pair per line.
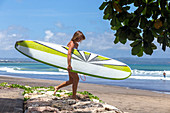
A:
(108, 9)
(150, 1)
(164, 43)
(137, 3)
(116, 2)
(116, 40)
(126, 8)
(155, 15)
(132, 36)
(144, 11)
(153, 46)
(106, 16)
(162, 4)
(136, 31)
(125, 2)
(140, 54)
(160, 39)
(118, 32)
(144, 1)
(115, 22)
(125, 22)
(143, 22)
(135, 43)
(148, 12)
(134, 22)
(148, 36)
(118, 23)
(147, 48)
(128, 15)
(103, 5)
(136, 49)
(139, 10)
(123, 37)
(121, 17)
(115, 28)
(154, 33)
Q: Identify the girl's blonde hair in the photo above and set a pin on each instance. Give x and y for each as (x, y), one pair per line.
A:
(78, 34)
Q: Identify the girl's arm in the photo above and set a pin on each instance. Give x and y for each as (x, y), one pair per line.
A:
(71, 46)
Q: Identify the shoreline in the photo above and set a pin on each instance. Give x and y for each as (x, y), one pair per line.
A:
(159, 92)
(125, 99)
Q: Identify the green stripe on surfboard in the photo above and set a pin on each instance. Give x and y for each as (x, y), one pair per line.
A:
(101, 58)
(121, 68)
(87, 54)
(76, 52)
(37, 46)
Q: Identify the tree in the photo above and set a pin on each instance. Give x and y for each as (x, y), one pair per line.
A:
(148, 22)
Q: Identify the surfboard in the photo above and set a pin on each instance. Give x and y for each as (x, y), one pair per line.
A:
(82, 62)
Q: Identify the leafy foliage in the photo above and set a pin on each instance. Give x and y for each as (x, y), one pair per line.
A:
(148, 22)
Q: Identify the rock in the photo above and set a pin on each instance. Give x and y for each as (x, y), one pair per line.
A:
(109, 107)
(83, 97)
(41, 109)
(63, 104)
(47, 103)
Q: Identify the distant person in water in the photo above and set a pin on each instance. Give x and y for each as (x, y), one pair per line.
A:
(73, 77)
(164, 74)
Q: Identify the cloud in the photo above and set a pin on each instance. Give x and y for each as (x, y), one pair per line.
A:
(102, 41)
(49, 35)
(62, 26)
(57, 37)
(9, 36)
(94, 41)
(59, 25)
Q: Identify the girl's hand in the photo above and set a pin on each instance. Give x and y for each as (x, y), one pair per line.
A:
(69, 68)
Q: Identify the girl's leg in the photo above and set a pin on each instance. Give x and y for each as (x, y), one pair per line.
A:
(75, 83)
(66, 83)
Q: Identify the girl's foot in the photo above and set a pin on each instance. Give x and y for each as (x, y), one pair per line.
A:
(75, 98)
(56, 89)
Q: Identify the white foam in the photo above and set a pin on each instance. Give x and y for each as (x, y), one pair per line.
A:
(162, 92)
(150, 77)
(12, 70)
(143, 72)
(3, 60)
(62, 70)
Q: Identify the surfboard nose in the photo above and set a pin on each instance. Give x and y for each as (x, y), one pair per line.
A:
(18, 43)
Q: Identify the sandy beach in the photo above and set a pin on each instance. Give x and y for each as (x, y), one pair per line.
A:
(127, 100)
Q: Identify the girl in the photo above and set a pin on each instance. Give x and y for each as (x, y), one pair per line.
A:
(73, 77)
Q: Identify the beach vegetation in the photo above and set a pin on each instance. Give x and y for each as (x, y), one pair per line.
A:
(42, 90)
(58, 95)
(91, 96)
(69, 94)
(26, 98)
(4, 84)
(142, 22)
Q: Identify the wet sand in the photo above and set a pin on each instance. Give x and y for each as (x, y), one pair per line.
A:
(127, 100)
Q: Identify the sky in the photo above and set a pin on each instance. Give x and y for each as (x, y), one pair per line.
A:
(56, 21)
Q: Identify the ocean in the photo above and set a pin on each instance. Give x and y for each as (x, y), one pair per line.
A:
(147, 73)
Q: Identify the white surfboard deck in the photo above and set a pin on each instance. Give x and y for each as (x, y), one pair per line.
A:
(82, 61)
